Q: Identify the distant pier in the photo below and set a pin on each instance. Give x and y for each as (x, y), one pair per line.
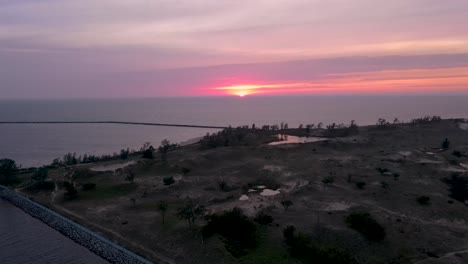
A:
(111, 122)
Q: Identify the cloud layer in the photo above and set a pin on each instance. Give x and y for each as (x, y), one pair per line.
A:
(90, 48)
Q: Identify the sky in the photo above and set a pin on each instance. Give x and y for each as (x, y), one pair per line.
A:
(152, 48)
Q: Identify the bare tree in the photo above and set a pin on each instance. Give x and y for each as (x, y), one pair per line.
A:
(162, 207)
(286, 204)
(190, 212)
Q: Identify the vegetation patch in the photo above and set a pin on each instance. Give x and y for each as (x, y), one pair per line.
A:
(109, 191)
(8, 169)
(382, 170)
(236, 229)
(360, 185)
(304, 249)
(366, 225)
(263, 219)
(239, 136)
(168, 180)
(458, 187)
(268, 251)
(41, 186)
(88, 186)
(71, 193)
(423, 200)
(328, 180)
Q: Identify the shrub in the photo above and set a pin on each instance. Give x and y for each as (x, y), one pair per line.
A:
(446, 143)
(238, 231)
(165, 147)
(47, 185)
(223, 186)
(71, 192)
(40, 175)
(162, 207)
(457, 154)
(458, 187)
(366, 225)
(328, 180)
(384, 185)
(382, 123)
(168, 180)
(286, 204)
(185, 171)
(42, 186)
(426, 120)
(360, 185)
(263, 219)
(8, 170)
(382, 170)
(124, 153)
(423, 200)
(148, 154)
(303, 249)
(82, 173)
(130, 176)
(88, 186)
(190, 212)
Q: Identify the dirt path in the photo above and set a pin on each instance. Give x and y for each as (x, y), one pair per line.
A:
(447, 255)
(413, 218)
(53, 195)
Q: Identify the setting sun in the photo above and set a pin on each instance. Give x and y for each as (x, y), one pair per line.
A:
(239, 90)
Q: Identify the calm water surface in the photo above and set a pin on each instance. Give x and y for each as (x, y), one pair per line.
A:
(34, 145)
(25, 239)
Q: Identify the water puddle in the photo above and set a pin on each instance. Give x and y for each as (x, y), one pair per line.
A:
(269, 192)
(428, 161)
(243, 198)
(338, 206)
(287, 139)
(453, 169)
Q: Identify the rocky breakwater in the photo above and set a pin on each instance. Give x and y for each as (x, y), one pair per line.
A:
(99, 245)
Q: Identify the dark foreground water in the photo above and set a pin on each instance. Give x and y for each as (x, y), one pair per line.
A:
(39, 144)
(24, 239)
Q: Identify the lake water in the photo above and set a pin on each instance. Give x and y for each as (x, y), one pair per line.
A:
(38, 144)
(25, 239)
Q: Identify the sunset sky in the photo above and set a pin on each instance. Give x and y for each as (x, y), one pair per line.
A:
(137, 48)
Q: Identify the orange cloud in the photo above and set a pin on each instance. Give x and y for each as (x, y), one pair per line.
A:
(412, 81)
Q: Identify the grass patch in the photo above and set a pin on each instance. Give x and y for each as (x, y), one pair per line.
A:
(302, 248)
(366, 225)
(360, 185)
(268, 251)
(458, 187)
(423, 200)
(109, 191)
(238, 232)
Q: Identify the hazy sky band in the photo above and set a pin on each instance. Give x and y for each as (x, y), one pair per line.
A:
(171, 48)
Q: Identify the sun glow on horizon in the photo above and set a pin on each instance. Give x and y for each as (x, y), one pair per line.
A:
(412, 80)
